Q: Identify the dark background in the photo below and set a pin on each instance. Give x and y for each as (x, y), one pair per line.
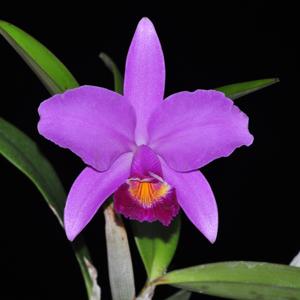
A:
(205, 46)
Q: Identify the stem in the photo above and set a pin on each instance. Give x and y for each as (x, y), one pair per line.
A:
(120, 269)
(147, 292)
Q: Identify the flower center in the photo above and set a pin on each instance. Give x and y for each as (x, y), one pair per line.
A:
(147, 191)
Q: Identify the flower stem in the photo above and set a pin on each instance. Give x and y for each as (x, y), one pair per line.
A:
(118, 255)
(147, 292)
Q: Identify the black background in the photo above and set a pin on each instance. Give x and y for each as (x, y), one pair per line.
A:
(205, 46)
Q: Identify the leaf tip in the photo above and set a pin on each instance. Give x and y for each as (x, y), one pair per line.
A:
(106, 60)
(274, 80)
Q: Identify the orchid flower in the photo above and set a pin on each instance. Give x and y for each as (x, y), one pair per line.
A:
(141, 148)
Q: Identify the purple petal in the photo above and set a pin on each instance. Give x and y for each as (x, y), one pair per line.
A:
(145, 162)
(94, 123)
(196, 198)
(163, 210)
(189, 130)
(90, 190)
(144, 75)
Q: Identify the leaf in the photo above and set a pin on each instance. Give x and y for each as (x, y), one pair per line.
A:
(239, 280)
(118, 254)
(88, 271)
(156, 244)
(118, 78)
(181, 295)
(23, 153)
(241, 89)
(54, 75)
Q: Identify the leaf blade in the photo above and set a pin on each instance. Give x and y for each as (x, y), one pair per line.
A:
(237, 90)
(118, 78)
(89, 272)
(23, 153)
(157, 245)
(239, 280)
(49, 69)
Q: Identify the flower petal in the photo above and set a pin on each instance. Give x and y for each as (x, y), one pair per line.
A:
(144, 80)
(189, 130)
(94, 123)
(90, 190)
(196, 198)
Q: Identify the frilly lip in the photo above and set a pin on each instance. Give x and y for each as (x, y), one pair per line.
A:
(163, 210)
(146, 196)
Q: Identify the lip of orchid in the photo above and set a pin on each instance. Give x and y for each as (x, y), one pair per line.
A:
(147, 189)
(173, 138)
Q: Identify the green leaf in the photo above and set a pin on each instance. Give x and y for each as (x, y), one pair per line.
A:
(181, 295)
(54, 75)
(23, 153)
(156, 244)
(118, 255)
(88, 271)
(239, 280)
(118, 78)
(241, 89)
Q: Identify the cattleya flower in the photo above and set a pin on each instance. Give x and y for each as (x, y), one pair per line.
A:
(141, 148)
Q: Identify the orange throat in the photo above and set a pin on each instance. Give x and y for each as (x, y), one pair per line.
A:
(147, 191)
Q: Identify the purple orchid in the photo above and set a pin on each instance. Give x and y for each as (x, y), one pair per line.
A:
(141, 148)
